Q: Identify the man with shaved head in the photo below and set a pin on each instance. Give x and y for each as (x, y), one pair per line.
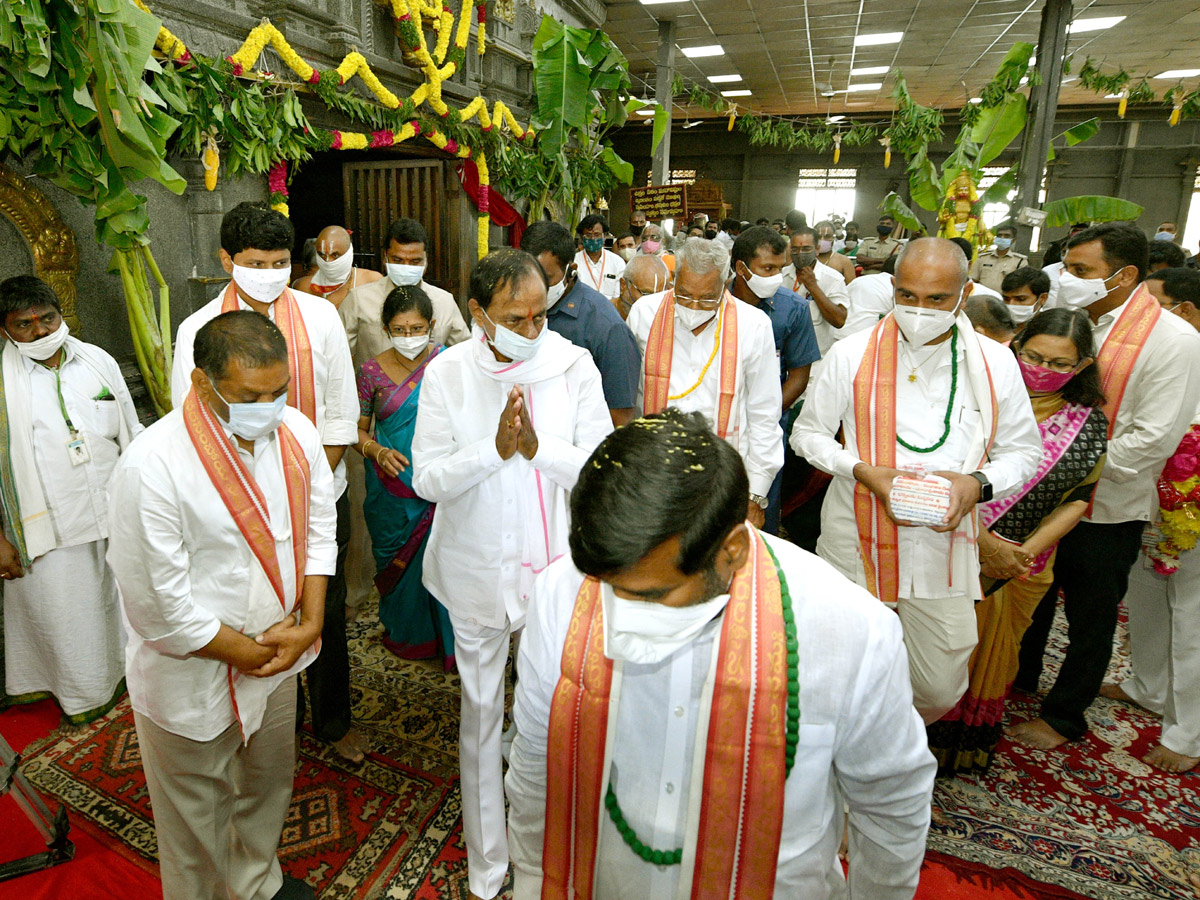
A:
(336, 274)
(919, 392)
(642, 275)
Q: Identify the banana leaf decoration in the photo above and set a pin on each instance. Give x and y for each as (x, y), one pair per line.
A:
(1060, 213)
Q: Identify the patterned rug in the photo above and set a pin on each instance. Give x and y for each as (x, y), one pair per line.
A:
(1090, 820)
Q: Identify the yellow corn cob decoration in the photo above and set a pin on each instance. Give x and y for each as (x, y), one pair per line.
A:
(1177, 109)
(732, 112)
(887, 151)
(837, 148)
(212, 161)
(1124, 104)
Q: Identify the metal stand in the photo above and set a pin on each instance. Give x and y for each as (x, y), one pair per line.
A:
(52, 827)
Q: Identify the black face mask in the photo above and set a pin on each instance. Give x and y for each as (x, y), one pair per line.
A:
(884, 230)
(710, 233)
(636, 230)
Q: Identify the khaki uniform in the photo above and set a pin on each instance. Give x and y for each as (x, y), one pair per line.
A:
(990, 268)
(876, 248)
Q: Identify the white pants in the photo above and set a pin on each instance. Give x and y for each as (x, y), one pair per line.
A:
(219, 806)
(1164, 645)
(940, 636)
(482, 654)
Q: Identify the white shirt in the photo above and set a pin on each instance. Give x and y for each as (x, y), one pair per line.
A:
(604, 276)
(861, 743)
(1159, 403)
(362, 316)
(833, 286)
(920, 413)
(333, 372)
(77, 496)
(1054, 270)
(725, 239)
(184, 568)
(871, 298)
(754, 420)
(490, 510)
(979, 289)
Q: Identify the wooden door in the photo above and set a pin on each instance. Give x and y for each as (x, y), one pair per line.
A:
(428, 190)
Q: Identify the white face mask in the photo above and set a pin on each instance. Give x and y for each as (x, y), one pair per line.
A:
(411, 346)
(644, 632)
(693, 318)
(761, 286)
(335, 271)
(43, 348)
(403, 276)
(263, 285)
(1021, 313)
(824, 246)
(920, 326)
(555, 292)
(252, 421)
(1080, 293)
(628, 253)
(513, 345)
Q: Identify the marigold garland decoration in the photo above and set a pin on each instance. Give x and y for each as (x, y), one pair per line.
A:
(484, 205)
(277, 186)
(1178, 527)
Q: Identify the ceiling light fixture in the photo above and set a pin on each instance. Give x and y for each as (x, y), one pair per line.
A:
(1175, 74)
(870, 70)
(741, 93)
(874, 40)
(865, 86)
(646, 112)
(706, 50)
(1079, 26)
(976, 100)
(724, 79)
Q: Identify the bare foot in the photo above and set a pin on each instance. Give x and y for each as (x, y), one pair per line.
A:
(1194, 879)
(350, 747)
(1035, 733)
(1170, 761)
(844, 850)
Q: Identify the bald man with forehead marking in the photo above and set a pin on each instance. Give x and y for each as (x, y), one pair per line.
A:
(644, 274)
(336, 274)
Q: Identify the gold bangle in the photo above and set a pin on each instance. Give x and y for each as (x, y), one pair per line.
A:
(367, 446)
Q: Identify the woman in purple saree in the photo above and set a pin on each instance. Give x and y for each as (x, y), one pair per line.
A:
(389, 388)
(1021, 531)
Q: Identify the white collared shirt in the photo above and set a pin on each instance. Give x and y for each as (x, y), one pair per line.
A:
(184, 568)
(925, 570)
(604, 276)
(77, 496)
(488, 508)
(333, 372)
(754, 421)
(833, 285)
(871, 298)
(362, 316)
(861, 743)
(1159, 403)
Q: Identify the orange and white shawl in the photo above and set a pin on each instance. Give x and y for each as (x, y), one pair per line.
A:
(302, 392)
(660, 345)
(734, 849)
(1122, 348)
(875, 425)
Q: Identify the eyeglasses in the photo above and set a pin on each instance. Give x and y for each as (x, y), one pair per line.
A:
(699, 302)
(1054, 365)
(415, 331)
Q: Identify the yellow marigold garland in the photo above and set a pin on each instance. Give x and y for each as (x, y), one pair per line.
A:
(485, 180)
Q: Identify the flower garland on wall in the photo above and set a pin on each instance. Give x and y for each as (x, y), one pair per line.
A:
(437, 66)
(1178, 527)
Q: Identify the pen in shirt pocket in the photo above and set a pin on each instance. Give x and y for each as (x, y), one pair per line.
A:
(105, 394)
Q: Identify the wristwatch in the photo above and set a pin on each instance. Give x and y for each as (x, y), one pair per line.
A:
(759, 500)
(985, 487)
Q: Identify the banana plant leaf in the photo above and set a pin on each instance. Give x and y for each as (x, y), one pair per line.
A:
(1089, 209)
(619, 167)
(662, 121)
(998, 192)
(893, 206)
(561, 77)
(998, 127)
(1076, 134)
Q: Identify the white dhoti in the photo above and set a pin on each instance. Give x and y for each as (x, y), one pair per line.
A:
(63, 633)
(940, 636)
(1164, 644)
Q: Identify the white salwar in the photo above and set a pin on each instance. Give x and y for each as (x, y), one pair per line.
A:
(498, 524)
(62, 624)
(861, 746)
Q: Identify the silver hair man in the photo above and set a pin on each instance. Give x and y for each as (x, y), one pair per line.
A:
(701, 256)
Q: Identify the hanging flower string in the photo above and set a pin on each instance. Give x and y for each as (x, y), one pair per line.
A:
(484, 204)
(277, 186)
(1178, 527)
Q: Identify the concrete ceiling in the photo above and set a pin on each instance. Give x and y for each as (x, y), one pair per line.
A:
(789, 52)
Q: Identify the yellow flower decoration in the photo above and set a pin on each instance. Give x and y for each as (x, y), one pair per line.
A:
(281, 208)
(353, 140)
(482, 237)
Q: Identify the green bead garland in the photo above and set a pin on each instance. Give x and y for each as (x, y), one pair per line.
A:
(949, 405)
(792, 739)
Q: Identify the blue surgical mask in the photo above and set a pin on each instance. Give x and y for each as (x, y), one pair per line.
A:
(513, 345)
(1163, 236)
(1002, 243)
(253, 421)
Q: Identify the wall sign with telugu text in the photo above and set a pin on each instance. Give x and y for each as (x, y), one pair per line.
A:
(665, 202)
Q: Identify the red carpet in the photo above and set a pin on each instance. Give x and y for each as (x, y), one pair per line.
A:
(99, 872)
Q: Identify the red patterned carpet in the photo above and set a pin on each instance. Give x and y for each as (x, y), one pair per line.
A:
(1092, 822)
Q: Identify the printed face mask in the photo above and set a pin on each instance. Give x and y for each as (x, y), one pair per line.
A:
(593, 245)
(263, 285)
(1040, 380)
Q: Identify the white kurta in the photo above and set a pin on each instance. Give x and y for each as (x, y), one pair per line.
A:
(185, 569)
(496, 517)
(871, 298)
(925, 568)
(861, 744)
(754, 421)
(62, 627)
(604, 276)
(833, 285)
(333, 372)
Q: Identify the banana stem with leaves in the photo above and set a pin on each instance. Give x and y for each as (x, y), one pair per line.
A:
(151, 330)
